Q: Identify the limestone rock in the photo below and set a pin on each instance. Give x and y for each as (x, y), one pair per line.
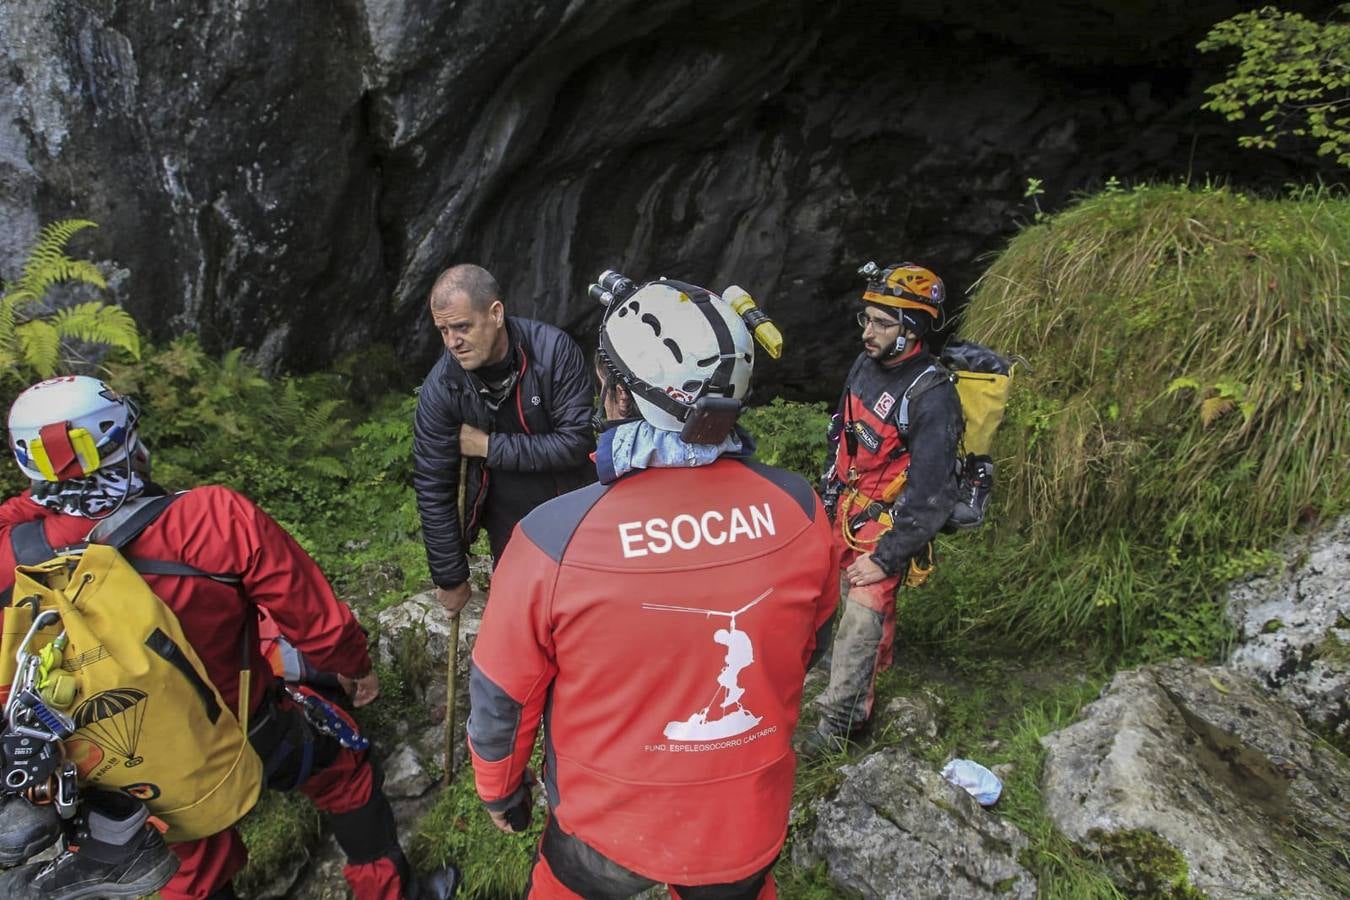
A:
(1294, 627)
(420, 626)
(404, 775)
(896, 829)
(1205, 761)
(912, 717)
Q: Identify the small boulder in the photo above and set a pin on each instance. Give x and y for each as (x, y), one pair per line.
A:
(1294, 627)
(1180, 772)
(404, 775)
(421, 626)
(896, 829)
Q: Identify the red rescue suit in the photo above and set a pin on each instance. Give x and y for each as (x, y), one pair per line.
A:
(661, 626)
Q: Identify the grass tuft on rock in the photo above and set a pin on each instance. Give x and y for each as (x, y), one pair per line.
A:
(1184, 408)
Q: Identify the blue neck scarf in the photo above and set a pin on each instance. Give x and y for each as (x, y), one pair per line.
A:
(637, 445)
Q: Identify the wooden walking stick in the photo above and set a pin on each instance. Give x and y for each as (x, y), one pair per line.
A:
(452, 669)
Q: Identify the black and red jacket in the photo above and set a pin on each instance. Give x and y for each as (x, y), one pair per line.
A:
(881, 449)
(540, 446)
(667, 722)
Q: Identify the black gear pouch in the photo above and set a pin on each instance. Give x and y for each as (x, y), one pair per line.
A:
(711, 420)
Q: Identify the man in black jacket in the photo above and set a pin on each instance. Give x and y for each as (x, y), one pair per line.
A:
(892, 485)
(513, 397)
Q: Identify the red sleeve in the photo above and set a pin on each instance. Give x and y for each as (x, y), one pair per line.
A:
(20, 509)
(513, 667)
(224, 532)
(829, 588)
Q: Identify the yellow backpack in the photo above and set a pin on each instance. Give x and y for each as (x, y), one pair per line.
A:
(983, 380)
(109, 659)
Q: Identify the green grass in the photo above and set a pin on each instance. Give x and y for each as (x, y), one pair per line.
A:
(275, 832)
(1191, 353)
(457, 830)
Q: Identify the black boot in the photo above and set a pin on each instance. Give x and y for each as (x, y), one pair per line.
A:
(25, 829)
(438, 885)
(110, 851)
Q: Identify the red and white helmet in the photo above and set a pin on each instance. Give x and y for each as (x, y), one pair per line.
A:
(673, 343)
(71, 426)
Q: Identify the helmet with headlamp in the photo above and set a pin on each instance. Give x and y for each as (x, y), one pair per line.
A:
(72, 426)
(909, 291)
(680, 350)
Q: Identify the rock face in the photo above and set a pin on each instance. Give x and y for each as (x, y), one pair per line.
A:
(1294, 628)
(1201, 761)
(291, 177)
(896, 829)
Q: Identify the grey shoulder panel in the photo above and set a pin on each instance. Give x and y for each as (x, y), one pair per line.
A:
(551, 525)
(790, 483)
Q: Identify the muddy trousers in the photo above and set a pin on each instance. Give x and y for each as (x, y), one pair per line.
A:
(566, 868)
(341, 782)
(863, 647)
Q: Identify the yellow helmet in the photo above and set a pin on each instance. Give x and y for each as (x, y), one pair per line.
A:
(913, 290)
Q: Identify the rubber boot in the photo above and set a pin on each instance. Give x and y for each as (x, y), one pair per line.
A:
(440, 884)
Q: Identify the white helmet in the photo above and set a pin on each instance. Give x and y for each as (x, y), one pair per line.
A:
(71, 426)
(672, 345)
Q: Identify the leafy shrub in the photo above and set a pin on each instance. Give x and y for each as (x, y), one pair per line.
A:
(344, 492)
(790, 435)
(1294, 72)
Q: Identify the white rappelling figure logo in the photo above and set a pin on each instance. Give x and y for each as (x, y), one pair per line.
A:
(740, 654)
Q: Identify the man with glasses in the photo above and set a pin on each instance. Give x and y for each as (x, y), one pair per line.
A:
(891, 486)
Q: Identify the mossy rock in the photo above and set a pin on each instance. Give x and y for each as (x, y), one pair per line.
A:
(1145, 865)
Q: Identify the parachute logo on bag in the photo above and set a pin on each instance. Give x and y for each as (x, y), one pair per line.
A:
(114, 718)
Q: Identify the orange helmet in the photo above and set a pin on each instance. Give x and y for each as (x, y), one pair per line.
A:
(914, 291)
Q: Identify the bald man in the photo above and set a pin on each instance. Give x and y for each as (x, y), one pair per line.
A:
(513, 397)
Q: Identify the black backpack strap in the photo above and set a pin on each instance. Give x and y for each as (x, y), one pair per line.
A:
(125, 525)
(30, 544)
(31, 548)
(134, 516)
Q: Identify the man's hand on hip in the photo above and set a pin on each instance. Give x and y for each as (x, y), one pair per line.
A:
(864, 572)
(453, 599)
(473, 441)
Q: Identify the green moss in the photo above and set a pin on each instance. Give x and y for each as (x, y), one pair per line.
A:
(1146, 865)
(277, 832)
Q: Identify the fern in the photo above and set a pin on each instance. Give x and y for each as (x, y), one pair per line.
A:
(32, 339)
(41, 345)
(99, 323)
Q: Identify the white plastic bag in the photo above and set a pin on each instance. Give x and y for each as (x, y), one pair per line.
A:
(974, 779)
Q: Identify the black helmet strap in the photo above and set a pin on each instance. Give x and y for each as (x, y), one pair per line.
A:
(719, 384)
